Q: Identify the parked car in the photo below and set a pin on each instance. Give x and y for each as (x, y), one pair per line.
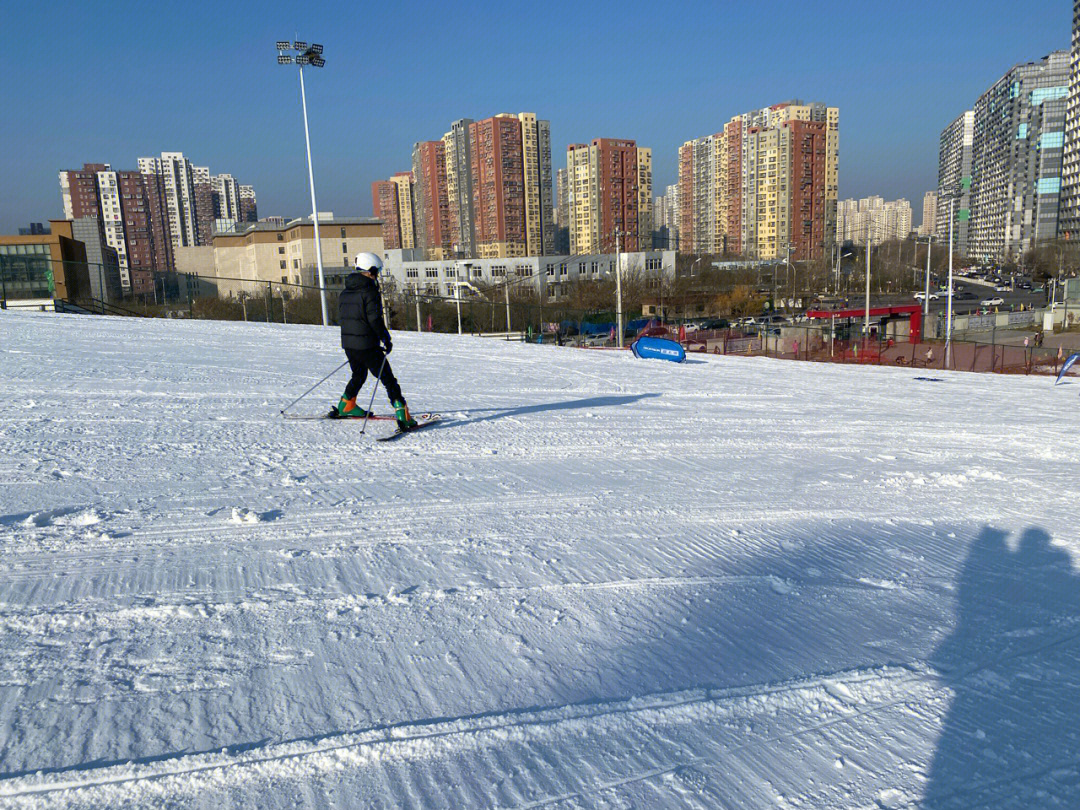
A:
(690, 328)
(1024, 285)
(965, 296)
(1003, 288)
(654, 331)
(921, 296)
(597, 340)
(992, 302)
(715, 323)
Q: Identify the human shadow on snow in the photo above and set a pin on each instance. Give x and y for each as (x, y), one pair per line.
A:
(1011, 738)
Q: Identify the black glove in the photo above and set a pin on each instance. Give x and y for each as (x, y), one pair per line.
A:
(388, 346)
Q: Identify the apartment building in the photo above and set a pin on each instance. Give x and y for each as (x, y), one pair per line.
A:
(765, 183)
(929, 215)
(146, 214)
(1006, 186)
(434, 233)
(384, 202)
(873, 218)
(459, 187)
(955, 160)
(609, 182)
(1069, 216)
(498, 175)
(497, 180)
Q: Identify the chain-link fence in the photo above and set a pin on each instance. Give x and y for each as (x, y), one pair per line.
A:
(513, 313)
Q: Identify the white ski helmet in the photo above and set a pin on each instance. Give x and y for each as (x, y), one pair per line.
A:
(368, 262)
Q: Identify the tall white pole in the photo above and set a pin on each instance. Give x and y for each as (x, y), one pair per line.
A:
(314, 207)
(866, 324)
(506, 289)
(618, 288)
(457, 296)
(926, 299)
(416, 297)
(948, 310)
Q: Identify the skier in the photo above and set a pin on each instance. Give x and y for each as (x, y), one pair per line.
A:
(362, 332)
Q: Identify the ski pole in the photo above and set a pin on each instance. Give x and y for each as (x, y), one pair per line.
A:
(374, 388)
(316, 385)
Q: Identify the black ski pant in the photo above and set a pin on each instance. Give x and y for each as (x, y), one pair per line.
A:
(361, 361)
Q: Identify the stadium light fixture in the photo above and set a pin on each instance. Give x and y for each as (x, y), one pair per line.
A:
(306, 55)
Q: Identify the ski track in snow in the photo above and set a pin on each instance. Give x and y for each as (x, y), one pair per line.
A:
(598, 582)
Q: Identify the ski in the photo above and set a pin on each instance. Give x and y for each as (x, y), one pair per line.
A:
(426, 421)
(372, 418)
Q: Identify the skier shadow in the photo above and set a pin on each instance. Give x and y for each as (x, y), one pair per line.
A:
(567, 405)
(1011, 738)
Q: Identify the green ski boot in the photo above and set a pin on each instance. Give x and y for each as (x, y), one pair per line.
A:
(404, 419)
(347, 408)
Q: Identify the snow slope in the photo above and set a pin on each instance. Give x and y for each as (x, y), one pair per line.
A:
(601, 582)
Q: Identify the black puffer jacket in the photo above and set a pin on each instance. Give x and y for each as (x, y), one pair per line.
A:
(360, 314)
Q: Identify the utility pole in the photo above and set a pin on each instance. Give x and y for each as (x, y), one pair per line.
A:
(926, 299)
(866, 324)
(416, 297)
(948, 311)
(506, 289)
(618, 287)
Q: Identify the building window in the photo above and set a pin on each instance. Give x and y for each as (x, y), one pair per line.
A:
(344, 247)
(281, 237)
(296, 264)
(282, 263)
(412, 274)
(342, 233)
(281, 249)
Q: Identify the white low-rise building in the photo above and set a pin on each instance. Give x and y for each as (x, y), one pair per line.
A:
(441, 278)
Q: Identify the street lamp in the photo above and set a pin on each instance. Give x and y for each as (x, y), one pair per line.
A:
(308, 55)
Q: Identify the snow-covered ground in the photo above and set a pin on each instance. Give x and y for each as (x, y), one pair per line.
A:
(600, 582)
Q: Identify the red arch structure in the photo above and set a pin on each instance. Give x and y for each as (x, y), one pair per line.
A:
(912, 311)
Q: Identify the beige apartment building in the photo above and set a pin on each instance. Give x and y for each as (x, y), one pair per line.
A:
(282, 254)
(404, 183)
(609, 185)
(766, 182)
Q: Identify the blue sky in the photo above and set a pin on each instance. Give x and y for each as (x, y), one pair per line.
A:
(112, 82)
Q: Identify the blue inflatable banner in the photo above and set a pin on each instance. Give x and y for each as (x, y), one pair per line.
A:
(1068, 364)
(658, 349)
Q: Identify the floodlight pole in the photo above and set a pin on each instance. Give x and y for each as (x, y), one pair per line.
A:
(314, 207)
(618, 286)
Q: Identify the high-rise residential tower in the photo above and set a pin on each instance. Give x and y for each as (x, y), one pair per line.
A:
(518, 219)
(459, 187)
(873, 218)
(432, 205)
(498, 179)
(1069, 216)
(929, 215)
(765, 183)
(609, 181)
(955, 158)
(118, 201)
(1017, 145)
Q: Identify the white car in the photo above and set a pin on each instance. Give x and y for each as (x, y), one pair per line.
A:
(992, 302)
(921, 296)
(1003, 288)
